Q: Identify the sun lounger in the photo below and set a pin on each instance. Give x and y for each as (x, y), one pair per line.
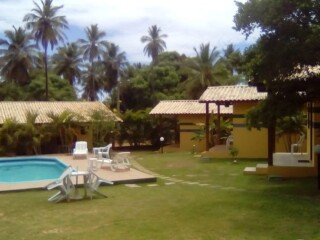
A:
(81, 149)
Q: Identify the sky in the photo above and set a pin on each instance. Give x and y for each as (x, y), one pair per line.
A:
(187, 23)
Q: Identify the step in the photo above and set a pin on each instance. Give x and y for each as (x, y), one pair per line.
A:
(262, 165)
(262, 169)
(250, 170)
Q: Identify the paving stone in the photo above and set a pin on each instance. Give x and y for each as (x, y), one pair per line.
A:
(132, 185)
(152, 185)
(170, 183)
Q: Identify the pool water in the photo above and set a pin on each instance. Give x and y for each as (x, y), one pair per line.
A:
(14, 170)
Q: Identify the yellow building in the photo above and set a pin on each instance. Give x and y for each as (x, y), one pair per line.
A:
(191, 117)
(17, 110)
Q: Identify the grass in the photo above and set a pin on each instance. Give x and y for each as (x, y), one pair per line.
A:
(231, 206)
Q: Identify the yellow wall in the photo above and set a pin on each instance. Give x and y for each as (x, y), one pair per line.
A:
(250, 143)
(189, 125)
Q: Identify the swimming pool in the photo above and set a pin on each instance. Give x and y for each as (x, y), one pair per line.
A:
(30, 169)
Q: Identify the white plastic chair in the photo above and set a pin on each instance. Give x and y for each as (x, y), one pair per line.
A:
(64, 184)
(298, 144)
(80, 149)
(104, 157)
(93, 184)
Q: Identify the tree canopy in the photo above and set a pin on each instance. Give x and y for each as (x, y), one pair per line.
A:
(289, 36)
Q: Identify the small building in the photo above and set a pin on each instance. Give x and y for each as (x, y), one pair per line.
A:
(250, 143)
(17, 110)
(191, 117)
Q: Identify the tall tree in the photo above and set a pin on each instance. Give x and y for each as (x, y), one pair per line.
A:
(67, 62)
(47, 28)
(18, 56)
(93, 48)
(155, 43)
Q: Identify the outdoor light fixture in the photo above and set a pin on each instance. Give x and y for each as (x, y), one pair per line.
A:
(161, 143)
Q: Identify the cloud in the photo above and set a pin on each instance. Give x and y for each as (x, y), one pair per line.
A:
(187, 23)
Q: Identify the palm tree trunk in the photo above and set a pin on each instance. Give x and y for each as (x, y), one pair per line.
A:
(93, 93)
(118, 99)
(46, 69)
(118, 90)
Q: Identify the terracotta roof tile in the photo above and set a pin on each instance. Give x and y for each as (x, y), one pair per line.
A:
(17, 110)
(231, 94)
(177, 107)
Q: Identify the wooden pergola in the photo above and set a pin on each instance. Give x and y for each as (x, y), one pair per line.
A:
(226, 96)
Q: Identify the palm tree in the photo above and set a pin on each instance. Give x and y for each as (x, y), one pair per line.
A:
(205, 70)
(155, 43)
(61, 127)
(92, 82)
(18, 56)
(8, 137)
(94, 45)
(204, 62)
(114, 61)
(47, 28)
(29, 135)
(93, 48)
(67, 62)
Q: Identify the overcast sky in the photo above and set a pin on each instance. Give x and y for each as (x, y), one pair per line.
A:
(187, 23)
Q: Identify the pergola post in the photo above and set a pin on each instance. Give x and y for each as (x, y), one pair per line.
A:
(218, 123)
(207, 126)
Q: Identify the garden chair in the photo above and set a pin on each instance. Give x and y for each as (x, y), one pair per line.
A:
(64, 185)
(104, 157)
(298, 144)
(122, 160)
(93, 184)
(80, 149)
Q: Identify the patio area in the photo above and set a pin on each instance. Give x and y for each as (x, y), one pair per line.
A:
(117, 177)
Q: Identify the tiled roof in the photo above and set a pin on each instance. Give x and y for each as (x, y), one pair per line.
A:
(231, 94)
(177, 107)
(301, 73)
(18, 110)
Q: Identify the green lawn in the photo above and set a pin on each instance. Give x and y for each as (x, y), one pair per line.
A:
(223, 204)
